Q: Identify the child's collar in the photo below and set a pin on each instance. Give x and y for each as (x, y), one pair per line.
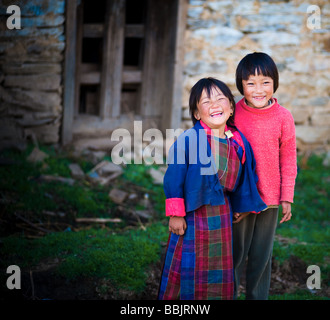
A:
(209, 131)
(236, 136)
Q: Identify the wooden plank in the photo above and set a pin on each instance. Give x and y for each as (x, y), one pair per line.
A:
(132, 76)
(90, 67)
(157, 66)
(93, 30)
(111, 77)
(90, 78)
(90, 73)
(173, 118)
(150, 68)
(69, 71)
(162, 70)
(79, 40)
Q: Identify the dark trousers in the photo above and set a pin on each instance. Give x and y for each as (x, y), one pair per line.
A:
(253, 239)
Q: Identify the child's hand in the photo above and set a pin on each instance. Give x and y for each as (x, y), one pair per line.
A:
(177, 225)
(286, 211)
(239, 216)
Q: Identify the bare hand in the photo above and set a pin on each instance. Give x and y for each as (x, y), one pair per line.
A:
(177, 225)
(239, 216)
(286, 211)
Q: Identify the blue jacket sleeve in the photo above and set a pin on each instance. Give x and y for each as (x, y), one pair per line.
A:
(246, 197)
(175, 175)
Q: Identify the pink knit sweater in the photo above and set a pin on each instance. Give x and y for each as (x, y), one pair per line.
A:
(271, 133)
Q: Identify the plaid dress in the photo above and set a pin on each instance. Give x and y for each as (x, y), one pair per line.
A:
(199, 264)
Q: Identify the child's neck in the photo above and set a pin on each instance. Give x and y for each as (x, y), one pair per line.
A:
(219, 133)
(268, 105)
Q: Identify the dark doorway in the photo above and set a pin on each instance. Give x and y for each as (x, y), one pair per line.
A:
(128, 57)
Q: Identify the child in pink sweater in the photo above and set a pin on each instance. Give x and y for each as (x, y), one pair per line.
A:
(270, 129)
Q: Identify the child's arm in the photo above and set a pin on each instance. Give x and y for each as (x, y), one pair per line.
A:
(286, 211)
(240, 216)
(173, 187)
(177, 225)
(288, 166)
(288, 159)
(174, 180)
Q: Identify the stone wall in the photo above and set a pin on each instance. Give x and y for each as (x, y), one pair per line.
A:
(31, 72)
(220, 33)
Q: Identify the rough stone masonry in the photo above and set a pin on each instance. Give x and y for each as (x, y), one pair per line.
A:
(218, 34)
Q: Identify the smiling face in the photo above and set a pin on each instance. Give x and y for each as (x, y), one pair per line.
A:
(214, 110)
(257, 90)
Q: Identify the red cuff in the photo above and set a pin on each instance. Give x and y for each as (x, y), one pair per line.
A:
(175, 207)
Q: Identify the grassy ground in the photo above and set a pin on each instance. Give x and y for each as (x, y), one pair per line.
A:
(307, 236)
(122, 260)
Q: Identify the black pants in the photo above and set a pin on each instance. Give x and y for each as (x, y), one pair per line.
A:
(253, 239)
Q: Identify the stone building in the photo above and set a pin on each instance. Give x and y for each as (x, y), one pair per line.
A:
(73, 71)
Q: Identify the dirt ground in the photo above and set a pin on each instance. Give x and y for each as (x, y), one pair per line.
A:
(42, 283)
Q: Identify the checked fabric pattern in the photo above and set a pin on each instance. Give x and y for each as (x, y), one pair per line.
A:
(199, 264)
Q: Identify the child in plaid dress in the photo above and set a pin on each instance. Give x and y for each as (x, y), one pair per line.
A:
(210, 175)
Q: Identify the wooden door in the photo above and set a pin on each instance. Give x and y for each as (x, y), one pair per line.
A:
(127, 57)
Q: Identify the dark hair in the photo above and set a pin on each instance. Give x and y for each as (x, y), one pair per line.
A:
(207, 84)
(259, 61)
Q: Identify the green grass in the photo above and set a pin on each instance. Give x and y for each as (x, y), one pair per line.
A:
(121, 255)
(308, 232)
(111, 252)
(298, 295)
(20, 183)
(310, 224)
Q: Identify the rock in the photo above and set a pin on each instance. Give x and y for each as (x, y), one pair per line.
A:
(41, 81)
(301, 114)
(33, 100)
(118, 196)
(104, 172)
(37, 155)
(31, 68)
(96, 156)
(195, 12)
(278, 38)
(105, 168)
(198, 67)
(311, 135)
(47, 134)
(76, 171)
(320, 119)
(219, 36)
(220, 6)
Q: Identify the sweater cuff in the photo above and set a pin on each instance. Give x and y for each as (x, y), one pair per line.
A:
(287, 194)
(175, 207)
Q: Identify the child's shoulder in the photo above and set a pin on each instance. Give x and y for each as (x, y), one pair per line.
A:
(283, 112)
(190, 133)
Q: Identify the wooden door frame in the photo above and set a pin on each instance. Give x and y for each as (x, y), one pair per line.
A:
(171, 118)
(69, 74)
(175, 114)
